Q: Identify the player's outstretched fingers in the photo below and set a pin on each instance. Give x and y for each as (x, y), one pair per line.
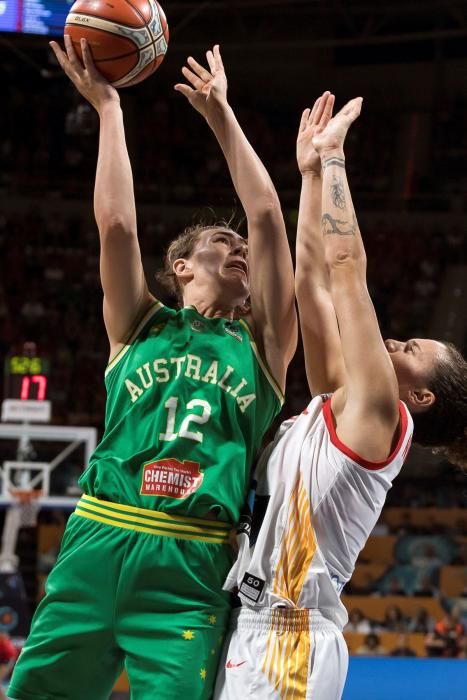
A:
(184, 90)
(60, 55)
(197, 83)
(199, 69)
(327, 111)
(62, 59)
(320, 107)
(72, 56)
(312, 113)
(88, 60)
(217, 57)
(353, 108)
(304, 120)
(211, 61)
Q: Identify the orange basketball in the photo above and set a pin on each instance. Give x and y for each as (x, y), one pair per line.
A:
(128, 38)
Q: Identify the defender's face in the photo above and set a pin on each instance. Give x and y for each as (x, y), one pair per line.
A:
(414, 360)
(220, 258)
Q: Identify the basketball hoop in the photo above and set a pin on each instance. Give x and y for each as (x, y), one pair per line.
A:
(26, 496)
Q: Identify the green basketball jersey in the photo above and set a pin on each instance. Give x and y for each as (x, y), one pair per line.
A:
(188, 401)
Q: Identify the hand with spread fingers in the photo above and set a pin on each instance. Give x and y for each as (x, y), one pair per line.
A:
(312, 123)
(209, 91)
(86, 78)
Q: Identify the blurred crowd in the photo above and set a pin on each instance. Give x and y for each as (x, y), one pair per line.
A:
(446, 637)
(48, 140)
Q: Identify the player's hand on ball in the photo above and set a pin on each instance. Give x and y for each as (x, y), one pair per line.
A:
(86, 78)
(332, 137)
(312, 123)
(209, 89)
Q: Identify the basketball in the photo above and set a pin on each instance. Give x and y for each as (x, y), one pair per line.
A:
(127, 38)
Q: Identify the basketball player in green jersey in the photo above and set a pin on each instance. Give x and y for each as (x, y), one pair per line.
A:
(190, 394)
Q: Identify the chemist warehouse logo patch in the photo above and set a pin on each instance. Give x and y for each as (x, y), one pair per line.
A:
(171, 478)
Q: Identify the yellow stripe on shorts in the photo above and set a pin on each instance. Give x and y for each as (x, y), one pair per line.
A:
(153, 521)
(288, 652)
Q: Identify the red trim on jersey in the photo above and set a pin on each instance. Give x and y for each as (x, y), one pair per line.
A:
(373, 466)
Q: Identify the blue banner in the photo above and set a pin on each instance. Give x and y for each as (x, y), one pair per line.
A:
(406, 679)
(34, 16)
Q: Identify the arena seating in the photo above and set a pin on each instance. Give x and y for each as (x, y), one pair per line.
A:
(388, 640)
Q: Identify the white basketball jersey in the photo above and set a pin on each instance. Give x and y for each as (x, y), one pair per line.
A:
(324, 502)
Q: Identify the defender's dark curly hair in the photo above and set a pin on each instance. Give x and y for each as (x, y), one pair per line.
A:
(444, 425)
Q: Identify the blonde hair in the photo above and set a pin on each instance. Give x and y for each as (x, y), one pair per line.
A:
(183, 246)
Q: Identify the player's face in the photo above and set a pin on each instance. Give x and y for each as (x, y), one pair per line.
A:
(414, 361)
(220, 258)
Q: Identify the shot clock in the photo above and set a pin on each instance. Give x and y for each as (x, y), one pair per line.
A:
(26, 374)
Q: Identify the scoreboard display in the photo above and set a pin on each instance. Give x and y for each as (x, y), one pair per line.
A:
(25, 377)
(34, 16)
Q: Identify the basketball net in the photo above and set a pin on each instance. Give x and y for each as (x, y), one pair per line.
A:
(22, 513)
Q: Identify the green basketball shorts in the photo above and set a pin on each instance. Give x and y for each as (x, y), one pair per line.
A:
(135, 588)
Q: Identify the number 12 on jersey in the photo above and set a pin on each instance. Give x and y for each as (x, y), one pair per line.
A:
(172, 406)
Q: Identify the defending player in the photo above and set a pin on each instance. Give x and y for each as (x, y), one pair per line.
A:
(139, 576)
(329, 470)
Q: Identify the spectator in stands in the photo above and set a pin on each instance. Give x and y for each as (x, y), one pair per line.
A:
(427, 558)
(446, 636)
(8, 656)
(394, 619)
(425, 587)
(405, 526)
(371, 646)
(402, 647)
(460, 557)
(357, 622)
(432, 526)
(364, 586)
(460, 527)
(395, 587)
(421, 622)
(459, 616)
(462, 648)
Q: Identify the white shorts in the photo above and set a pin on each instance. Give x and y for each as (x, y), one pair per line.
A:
(282, 654)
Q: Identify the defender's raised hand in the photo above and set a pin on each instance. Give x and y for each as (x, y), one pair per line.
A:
(86, 78)
(332, 137)
(209, 89)
(312, 123)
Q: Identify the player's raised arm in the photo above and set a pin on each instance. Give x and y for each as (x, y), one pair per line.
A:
(126, 295)
(367, 408)
(318, 324)
(270, 261)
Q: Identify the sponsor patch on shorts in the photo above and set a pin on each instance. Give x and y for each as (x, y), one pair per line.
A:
(251, 587)
(171, 478)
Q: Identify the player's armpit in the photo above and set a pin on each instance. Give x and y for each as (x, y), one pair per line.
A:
(370, 430)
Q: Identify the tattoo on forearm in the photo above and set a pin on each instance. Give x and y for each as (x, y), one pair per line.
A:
(340, 162)
(338, 226)
(338, 192)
